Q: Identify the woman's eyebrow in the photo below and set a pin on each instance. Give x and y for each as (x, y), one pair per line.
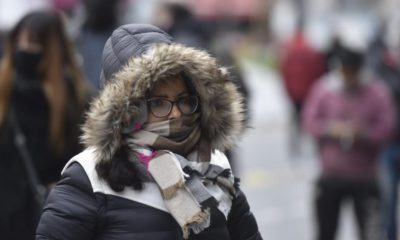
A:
(183, 93)
(166, 96)
(159, 96)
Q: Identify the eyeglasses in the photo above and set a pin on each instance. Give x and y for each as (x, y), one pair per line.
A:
(161, 107)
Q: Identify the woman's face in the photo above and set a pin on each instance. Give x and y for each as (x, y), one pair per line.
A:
(25, 43)
(172, 89)
(28, 55)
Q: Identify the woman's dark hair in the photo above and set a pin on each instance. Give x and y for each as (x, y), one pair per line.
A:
(189, 84)
(350, 58)
(191, 89)
(47, 29)
(120, 172)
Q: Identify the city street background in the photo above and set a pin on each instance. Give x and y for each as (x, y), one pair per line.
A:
(279, 186)
(277, 169)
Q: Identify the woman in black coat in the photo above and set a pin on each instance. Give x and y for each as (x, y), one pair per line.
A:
(41, 91)
(153, 167)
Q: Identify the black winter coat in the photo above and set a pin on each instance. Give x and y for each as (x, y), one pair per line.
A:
(82, 206)
(31, 109)
(75, 212)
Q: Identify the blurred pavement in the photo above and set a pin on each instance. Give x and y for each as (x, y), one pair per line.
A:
(279, 186)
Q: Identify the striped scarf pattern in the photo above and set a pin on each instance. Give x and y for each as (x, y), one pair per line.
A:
(191, 178)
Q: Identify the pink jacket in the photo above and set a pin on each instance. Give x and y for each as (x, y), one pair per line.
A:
(369, 108)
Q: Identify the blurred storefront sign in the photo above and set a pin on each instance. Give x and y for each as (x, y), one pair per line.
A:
(215, 9)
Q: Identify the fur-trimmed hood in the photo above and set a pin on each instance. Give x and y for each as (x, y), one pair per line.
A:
(135, 58)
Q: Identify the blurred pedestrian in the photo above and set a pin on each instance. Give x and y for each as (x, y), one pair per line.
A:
(101, 18)
(300, 66)
(385, 64)
(42, 96)
(224, 53)
(154, 167)
(178, 20)
(351, 117)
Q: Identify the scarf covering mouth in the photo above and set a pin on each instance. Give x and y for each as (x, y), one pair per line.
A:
(190, 178)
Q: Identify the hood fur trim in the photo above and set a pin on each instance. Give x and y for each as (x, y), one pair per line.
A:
(121, 102)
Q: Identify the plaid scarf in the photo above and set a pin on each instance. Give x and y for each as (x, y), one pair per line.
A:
(190, 178)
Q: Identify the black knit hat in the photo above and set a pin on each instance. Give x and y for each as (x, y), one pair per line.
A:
(350, 58)
(127, 41)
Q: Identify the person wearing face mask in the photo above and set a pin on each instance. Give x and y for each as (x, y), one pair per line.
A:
(154, 167)
(351, 117)
(42, 98)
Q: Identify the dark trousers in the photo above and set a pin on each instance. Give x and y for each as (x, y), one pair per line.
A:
(331, 193)
(390, 179)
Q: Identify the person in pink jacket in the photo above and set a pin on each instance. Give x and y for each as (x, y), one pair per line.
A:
(351, 117)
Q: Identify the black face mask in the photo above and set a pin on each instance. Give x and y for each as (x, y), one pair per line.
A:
(26, 63)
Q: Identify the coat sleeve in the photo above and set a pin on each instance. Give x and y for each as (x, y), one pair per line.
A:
(312, 117)
(381, 128)
(242, 224)
(71, 209)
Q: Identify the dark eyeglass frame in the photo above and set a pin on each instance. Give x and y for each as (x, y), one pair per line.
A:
(172, 103)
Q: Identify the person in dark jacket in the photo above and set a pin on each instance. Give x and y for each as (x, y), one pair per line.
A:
(153, 167)
(386, 66)
(178, 20)
(42, 92)
(101, 19)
